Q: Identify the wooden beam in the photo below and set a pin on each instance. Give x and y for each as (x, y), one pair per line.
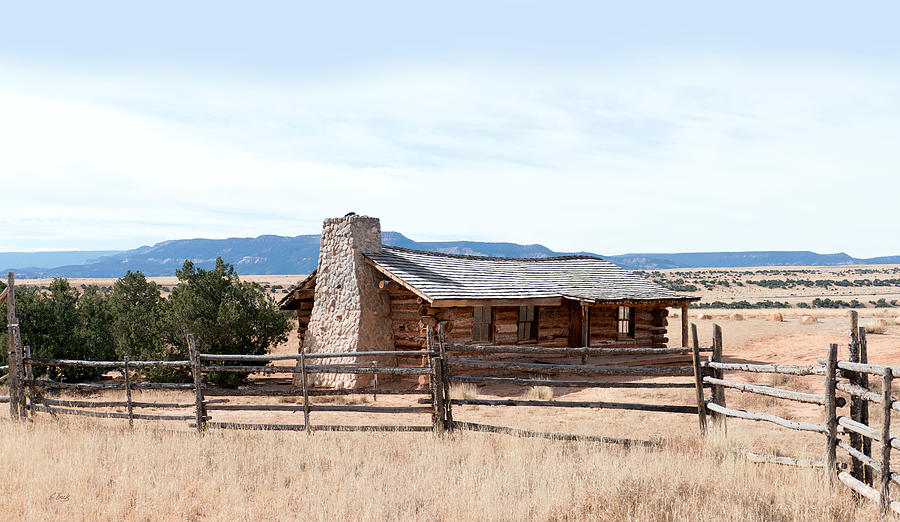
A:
(465, 303)
(684, 324)
(387, 284)
(397, 279)
(304, 293)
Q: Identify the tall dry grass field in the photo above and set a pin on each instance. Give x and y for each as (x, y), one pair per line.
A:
(77, 469)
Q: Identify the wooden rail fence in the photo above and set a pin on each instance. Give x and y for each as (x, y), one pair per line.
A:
(849, 377)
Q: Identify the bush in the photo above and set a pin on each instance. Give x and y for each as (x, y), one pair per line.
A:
(226, 315)
(63, 324)
(136, 307)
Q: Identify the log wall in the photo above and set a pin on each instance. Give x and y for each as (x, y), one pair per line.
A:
(409, 318)
(304, 312)
(406, 319)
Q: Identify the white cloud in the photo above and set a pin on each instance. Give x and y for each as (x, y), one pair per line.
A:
(695, 155)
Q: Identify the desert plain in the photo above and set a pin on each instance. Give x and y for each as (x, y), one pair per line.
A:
(72, 464)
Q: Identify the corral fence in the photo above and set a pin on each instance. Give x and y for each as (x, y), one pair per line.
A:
(457, 370)
(209, 399)
(447, 364)
(853, 433)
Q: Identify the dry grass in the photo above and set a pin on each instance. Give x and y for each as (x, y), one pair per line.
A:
(463, 390)
(84, 469)
(539, 393)
(879, 327)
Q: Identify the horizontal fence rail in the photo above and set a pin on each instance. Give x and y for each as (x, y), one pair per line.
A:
(578, 404)
(555, 383)
(105, 364)
(784, 369)
(766, 417)
(770, 391)
(544, 350)
(320, 355)
(574, 369)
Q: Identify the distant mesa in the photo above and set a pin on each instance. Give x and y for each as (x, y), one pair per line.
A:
(268, 254)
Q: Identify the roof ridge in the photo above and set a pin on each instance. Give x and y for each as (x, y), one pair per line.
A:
(489, 258)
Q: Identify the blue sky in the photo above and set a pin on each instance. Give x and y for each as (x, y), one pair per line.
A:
(583, 126)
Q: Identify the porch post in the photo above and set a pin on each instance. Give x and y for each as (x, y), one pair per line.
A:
(684, 325)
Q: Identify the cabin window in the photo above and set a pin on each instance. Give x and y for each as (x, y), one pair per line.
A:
(481, 330)
(626, 322)
(527, 324)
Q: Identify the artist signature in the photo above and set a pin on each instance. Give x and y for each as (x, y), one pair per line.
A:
(59, 497)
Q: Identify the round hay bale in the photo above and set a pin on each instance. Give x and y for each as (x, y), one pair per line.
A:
(808, 319)
(897, 320)
(704, 317)
(777, 317)
(736, 317)
(881, 323)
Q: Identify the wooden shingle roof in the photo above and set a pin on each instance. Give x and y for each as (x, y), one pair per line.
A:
(445, 278)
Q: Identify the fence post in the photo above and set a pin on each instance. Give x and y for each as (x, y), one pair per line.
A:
(20, 367)
(831, 414)
(438, 418)
(436, 385)
(445, 378)
(128, 406)
(198, 383)
(886, 381)
(718, 391)
(698, 380)
(856, 465)
(868, 476)
(12, 325)
(26, 385)
(305, 385)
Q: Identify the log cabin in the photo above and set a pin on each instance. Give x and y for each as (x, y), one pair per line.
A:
(366, 296)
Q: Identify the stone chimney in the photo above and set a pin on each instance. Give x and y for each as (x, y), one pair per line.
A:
(349, 313)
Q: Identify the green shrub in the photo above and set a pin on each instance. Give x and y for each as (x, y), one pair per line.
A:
(226, 316)
(64, 324)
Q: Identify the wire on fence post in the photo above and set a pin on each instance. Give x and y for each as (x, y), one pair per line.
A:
(831, 414)
(698, 379)
(305, 385)
(886, 381)
(128, 405)
(198, 383)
